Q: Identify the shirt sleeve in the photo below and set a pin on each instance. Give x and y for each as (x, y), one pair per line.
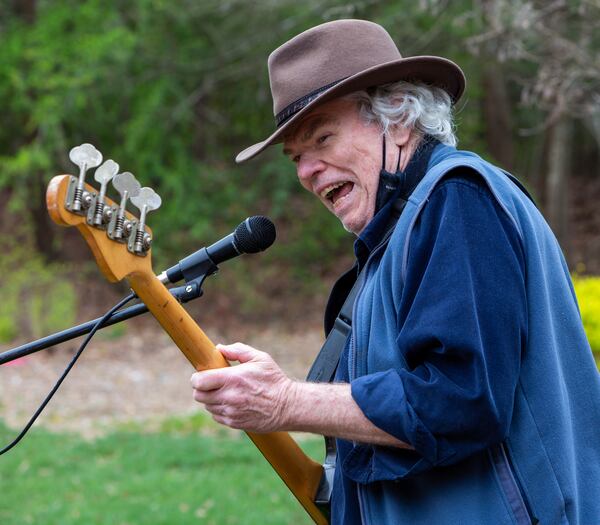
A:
(462, 327)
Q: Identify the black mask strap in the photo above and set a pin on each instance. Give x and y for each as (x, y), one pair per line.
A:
(388, 182)
(383, 152)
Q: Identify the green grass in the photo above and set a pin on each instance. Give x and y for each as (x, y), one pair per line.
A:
(168, 477)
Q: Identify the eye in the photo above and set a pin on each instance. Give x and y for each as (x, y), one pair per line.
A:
(296, 159)
(323, 138)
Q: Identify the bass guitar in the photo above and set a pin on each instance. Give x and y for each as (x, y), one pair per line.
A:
(121, 244)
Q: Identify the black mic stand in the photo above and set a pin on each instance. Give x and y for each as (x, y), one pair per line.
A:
(191, 290)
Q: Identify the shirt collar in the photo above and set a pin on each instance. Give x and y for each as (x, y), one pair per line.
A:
(375, 231)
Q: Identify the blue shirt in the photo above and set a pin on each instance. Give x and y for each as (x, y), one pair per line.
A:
(462, 322)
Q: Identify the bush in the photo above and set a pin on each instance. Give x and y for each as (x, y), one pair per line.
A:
(38, 297)
(588, 295)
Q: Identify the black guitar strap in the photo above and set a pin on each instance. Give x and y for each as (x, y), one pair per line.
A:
(325, 365)
(323, 371)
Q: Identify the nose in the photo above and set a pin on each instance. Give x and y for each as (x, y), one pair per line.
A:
(307, 167)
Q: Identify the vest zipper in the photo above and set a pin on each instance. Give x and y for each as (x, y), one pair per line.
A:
(510, 485)
(353, 351)
(352, 355)
(361, 505)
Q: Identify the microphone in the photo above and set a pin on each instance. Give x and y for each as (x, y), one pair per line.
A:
(253, 235)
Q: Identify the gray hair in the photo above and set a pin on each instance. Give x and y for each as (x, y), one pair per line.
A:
(427, 109)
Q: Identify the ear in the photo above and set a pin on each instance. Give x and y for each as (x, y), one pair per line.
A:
(399, 134)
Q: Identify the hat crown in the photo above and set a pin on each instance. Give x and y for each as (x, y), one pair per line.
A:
(326, 54)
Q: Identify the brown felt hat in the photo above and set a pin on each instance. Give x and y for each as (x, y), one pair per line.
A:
(337, 58)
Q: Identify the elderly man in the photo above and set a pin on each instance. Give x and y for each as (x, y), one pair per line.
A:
(466, 392)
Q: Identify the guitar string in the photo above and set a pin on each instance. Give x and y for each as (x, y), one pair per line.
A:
(96, 327)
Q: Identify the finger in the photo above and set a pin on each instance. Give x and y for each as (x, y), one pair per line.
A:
(228, 421)
(211, 397)
(239, 352)
(216, 409)
(209, 379)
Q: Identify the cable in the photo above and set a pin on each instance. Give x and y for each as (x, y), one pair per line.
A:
(97, 326)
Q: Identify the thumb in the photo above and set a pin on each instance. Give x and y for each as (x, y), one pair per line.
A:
(238, 352)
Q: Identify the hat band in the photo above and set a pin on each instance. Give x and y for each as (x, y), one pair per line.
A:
(291, 109)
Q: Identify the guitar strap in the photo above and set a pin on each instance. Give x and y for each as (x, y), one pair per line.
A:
(323, 371)
(324, 367)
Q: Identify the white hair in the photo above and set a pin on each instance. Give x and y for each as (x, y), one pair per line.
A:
(427, 109)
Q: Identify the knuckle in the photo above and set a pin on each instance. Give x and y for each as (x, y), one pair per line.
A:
(233, 400)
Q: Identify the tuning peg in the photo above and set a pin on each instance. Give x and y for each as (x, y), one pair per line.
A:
(85, 156)
(103, 175)
(127, 186)
(146, 200)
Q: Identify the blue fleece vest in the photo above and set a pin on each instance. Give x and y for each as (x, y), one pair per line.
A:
(548, 468)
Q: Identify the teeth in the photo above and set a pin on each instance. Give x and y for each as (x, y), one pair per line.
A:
(325, 193)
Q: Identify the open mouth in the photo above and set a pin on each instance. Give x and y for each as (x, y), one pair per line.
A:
(336, 192)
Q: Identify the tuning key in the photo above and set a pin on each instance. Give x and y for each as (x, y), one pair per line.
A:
(127, 186)
(85, 156)
(146, 200)
(103, 175)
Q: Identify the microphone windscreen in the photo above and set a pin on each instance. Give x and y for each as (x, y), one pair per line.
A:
(255, 234)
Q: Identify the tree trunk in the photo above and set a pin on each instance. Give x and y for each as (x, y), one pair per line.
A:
(44, 230)
(557, 182)
(496, 114)
(25, 9)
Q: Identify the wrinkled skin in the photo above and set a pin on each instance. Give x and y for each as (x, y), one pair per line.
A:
(249, 396)
(333, 144)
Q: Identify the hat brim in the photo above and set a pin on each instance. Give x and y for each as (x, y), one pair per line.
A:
(436, 71)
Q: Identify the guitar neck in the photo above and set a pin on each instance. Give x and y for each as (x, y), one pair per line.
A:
(299, 472)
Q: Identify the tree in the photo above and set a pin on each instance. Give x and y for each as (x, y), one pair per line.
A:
(554, 50)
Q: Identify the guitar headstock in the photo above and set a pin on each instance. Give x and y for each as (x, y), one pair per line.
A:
(120, 242)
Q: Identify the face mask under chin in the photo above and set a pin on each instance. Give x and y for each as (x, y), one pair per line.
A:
(388, 182)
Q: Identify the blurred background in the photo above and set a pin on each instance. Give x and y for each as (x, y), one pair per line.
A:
(172, 90)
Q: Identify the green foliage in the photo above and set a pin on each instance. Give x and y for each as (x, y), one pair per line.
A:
(588, 296)
(169, 90)
(152, 478)
(52, 306)
(195, 423)
(8, 326)
(198, 422)
(113, 332)
(173, 90)
(38, 298)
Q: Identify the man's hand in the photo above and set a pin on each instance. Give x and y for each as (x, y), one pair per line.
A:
(257, 396)
(253, 395)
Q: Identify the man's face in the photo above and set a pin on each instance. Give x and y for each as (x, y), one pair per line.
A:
(338, 158)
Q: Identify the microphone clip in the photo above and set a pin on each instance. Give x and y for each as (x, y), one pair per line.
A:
(189, 291)
(199, 265)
